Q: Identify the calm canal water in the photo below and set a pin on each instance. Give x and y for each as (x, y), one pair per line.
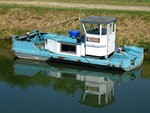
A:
(39, 87)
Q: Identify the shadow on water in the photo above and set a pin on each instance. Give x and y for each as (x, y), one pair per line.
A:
(97, 86)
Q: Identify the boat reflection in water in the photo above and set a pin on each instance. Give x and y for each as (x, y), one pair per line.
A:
(97, 85)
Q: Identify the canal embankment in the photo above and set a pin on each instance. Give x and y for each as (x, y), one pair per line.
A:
(132, 26)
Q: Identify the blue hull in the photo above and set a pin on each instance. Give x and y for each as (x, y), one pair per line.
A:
(129, 59)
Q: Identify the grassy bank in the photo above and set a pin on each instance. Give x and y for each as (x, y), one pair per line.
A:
(132, 28)
(100, 2)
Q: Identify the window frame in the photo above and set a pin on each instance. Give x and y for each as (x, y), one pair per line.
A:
(89, 27)
(70, 52)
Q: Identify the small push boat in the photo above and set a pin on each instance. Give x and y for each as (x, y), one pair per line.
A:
(95, 48)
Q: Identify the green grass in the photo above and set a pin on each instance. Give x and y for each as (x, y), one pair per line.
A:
(105, 2)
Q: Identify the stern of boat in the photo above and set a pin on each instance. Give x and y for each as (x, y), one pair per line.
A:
(134, 57)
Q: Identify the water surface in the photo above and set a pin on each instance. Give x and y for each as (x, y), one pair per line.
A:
(38, 87)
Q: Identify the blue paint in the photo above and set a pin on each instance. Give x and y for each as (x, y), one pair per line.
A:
(118, 60)
(61, 38)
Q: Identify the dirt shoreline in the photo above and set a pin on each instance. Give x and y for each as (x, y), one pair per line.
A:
(77, 5)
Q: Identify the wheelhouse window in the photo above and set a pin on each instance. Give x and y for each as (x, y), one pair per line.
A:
(68, 48)
(114, 26)
(92, 28)
(104, 29)
(111, 28)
